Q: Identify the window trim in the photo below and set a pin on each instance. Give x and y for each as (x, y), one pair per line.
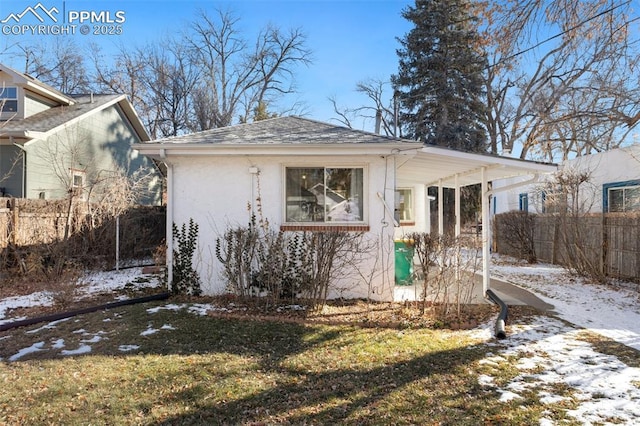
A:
(78, 189)
(355, 226)
(616, 185)
(16, 99)
(523, 202)
(412, 207)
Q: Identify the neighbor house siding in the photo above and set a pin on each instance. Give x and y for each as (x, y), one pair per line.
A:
(98, 145)
(601, 169)
(34, 104)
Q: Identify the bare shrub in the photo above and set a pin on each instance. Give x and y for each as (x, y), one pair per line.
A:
(236, 250)
(448, 267)
(278, 266)
(516, 229)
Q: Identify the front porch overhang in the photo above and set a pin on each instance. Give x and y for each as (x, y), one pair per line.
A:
(446, 168)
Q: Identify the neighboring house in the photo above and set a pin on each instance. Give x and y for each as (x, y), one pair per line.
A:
(313, 176)
(610, 182)
(52, 143)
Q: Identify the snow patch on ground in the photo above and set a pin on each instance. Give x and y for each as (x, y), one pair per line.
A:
(92, 283)
(42, 298)
(549, 352)
(81, 350)
(612, 310)
(36, 347)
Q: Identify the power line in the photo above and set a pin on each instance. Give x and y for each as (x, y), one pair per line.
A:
(578, 25)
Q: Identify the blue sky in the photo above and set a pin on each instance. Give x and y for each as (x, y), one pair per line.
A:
(351, 40)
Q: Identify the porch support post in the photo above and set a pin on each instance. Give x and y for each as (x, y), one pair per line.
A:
(486, 244)
(427, 209)
(457, 203)
(440, 208)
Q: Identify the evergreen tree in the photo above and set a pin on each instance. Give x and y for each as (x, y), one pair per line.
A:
(439, 84)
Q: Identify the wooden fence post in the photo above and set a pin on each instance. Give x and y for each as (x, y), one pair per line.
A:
(14, 223)
(604, 246)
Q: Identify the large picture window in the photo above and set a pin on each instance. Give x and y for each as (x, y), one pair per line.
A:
(8, 99)
(324, 194)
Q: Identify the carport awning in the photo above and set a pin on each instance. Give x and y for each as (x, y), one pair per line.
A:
(446, 168)
(435, 165)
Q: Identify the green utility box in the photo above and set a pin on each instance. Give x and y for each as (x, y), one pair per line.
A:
(404, 262)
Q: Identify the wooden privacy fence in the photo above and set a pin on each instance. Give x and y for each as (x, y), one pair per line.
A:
(611, 241)
(31, 224)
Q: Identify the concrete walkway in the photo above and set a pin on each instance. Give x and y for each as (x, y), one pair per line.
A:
(514, 295)
(510, 294)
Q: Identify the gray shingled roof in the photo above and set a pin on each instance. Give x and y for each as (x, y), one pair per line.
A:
(280, 130)
(54, 117)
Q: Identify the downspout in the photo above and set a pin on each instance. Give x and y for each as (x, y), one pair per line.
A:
(23, 187)
(388, 209)
(502, 317)
(169, 220)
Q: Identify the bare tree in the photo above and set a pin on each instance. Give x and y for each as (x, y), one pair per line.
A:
(377, 110)
(209, 76)
(235, 79)
(61, 64)
(580, 96)
(382, 112)
(160, 80)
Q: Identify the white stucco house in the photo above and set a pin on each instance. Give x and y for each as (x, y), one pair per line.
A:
(314, 176)
(612, 184)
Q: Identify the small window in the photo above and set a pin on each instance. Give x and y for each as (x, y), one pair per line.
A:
(324, 194)
(404, 205)
(78, 181)
(524, 202)
(624, 199)
(9, 99)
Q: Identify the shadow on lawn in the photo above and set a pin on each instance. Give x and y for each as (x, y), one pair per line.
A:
(420, 388)
(417, 391)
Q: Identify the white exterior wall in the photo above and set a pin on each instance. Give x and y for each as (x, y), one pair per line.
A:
(421, 212)
(508, 200)
(216, 192)
(618, 165)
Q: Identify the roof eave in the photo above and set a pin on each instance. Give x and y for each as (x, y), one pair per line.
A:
(24, 135)
(161, 151)
(133, 118)
(51, 94)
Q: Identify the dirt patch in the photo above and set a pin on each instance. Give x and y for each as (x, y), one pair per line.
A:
(335, 312)
(354, 312)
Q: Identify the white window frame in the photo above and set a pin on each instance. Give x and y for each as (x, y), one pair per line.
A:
(364, 214)
(78, 189)
(624, 190)
(4, 98)
(410, 208)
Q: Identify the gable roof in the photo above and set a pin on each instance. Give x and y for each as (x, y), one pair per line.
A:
(41, 124)
(290, 130)
(296, 136)
(35, 85)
